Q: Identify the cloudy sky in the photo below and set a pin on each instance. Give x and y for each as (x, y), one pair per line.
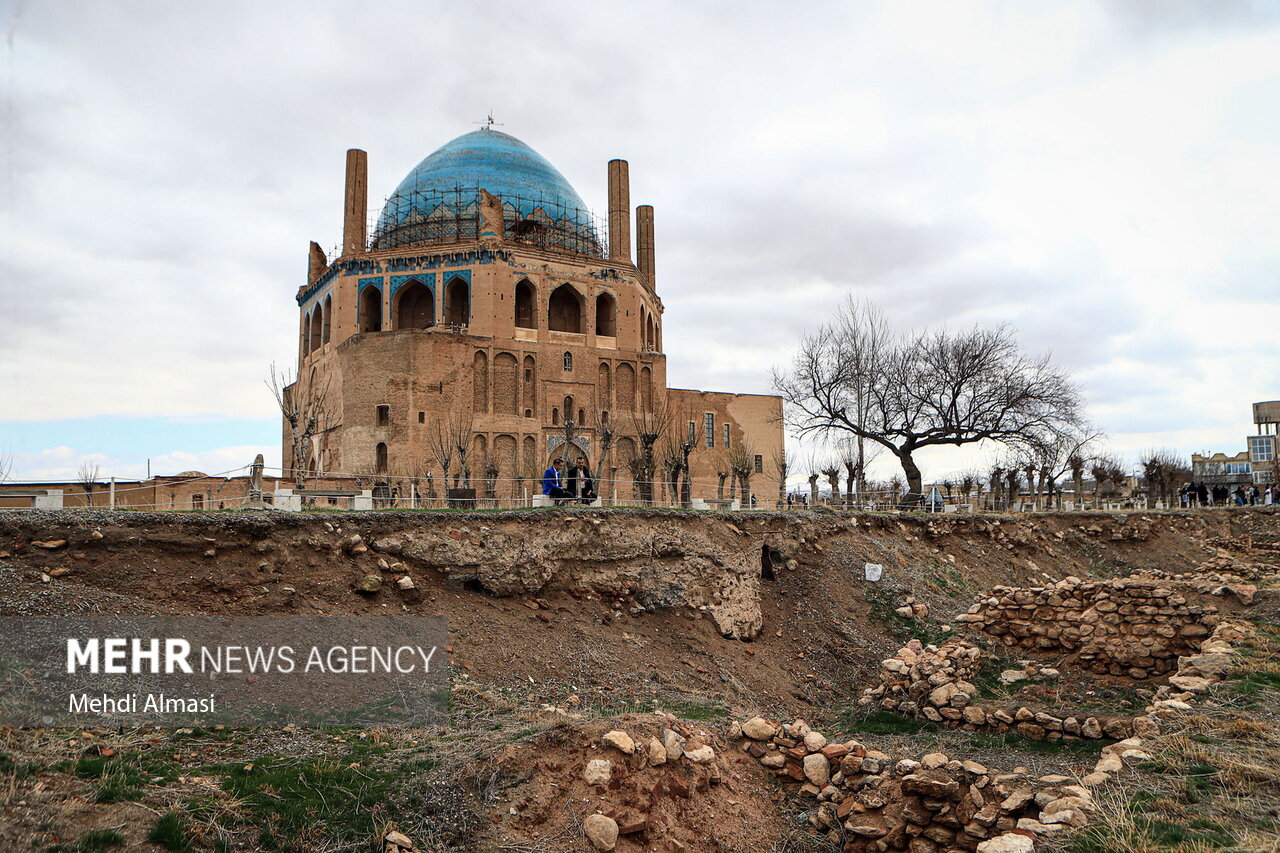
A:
(1104, 176)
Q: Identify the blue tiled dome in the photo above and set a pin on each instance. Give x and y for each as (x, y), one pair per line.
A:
(446, 184)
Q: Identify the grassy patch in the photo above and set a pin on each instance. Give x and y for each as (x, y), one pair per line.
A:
(121, 778)
(170, 833)
(288, 797)
(1143, 824)
(20, 769)
(885, 723)
(93, 841)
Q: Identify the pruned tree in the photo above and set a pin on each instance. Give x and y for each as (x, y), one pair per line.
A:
(88, 477)
(996, 483)
(813, 467)
(831, 470)
(908, 391)
(742, 461)
(450, 439)
(782, 466)
(690, 437)
(647, 425)
(1163, 471)
(1105, 469)
(969, 481)
(604, 442)
(307, 411)
(6, 465)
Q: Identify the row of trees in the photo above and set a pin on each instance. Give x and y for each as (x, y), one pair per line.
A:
(653, 445)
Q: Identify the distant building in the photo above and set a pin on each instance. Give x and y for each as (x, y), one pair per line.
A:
(1257, 464)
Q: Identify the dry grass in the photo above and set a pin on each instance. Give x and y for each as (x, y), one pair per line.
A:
(1213, 781)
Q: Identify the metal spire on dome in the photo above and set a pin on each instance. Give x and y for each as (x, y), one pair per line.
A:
(489, 122)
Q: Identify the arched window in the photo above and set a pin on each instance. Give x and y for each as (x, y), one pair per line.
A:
(371, 309)
(526, 317)
(582, 417)
(564, 310)
(529, 387)
(555, 416)
(606, 315)
(328, 318)
(415, 307)
(317, 328)
(457, 302)
(306, 334)
(568, 361)
(568, 407)
(380, 463)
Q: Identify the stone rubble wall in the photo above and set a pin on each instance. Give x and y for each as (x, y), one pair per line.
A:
(1135, 627)
(935, 804)
(935, 683)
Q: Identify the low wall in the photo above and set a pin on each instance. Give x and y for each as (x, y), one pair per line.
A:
(935, 804)
(1136, 627)
(935, 683)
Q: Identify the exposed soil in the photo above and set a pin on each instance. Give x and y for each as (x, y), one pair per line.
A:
(599, 612)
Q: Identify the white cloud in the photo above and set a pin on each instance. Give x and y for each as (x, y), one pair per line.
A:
(1106, 176)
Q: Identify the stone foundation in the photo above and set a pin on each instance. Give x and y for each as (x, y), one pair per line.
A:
(1135, 627)
(933, 683)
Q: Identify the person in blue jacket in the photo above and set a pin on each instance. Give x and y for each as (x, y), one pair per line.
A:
(551, 483)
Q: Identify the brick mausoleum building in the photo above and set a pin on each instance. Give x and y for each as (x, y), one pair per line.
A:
(488, 294)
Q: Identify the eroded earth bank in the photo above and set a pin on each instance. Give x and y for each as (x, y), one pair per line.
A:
(630, 680)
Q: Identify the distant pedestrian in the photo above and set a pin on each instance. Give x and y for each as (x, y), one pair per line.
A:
(1202, 494)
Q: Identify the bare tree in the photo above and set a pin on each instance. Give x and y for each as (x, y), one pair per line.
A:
(605, 438)
(996, 483)
(691, 437)
(782, 465)
(88, 477)
(969, 481)
(831, 470)
(742, 462)
(908, 391)
(1162, 471)
(308, 412)
(648, 425)
(6, 465)
(1105, 469)
(813, 466)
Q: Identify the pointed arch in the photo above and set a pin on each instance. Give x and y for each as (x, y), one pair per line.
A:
(525, 305)
(604, 386)
(457, 302)
(415, 307)
(371, 309)
(317, 328)
(328, 318)
(506, 388)
(564, 310)
(529, 385)
(624, 377)
(480, 382)
(646, 389)
(606, 315)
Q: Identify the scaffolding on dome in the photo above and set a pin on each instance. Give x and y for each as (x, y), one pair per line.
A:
(453, 216)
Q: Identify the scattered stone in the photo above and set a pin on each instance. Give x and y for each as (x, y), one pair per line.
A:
(601, 831)
(758, 728)
(620, 741)
(599, 771)
(371, 582)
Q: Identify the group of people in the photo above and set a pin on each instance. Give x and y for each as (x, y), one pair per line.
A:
(1201, 494)
(575, 487)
